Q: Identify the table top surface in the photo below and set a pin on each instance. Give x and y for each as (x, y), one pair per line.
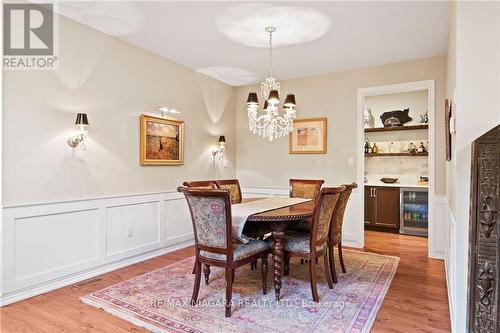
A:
(295, 212)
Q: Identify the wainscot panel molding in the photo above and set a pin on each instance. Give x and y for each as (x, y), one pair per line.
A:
(450, 261)
(350, 237)
(439, 206)
(48, 246)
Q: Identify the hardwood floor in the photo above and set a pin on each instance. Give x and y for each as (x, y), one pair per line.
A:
(416, 301)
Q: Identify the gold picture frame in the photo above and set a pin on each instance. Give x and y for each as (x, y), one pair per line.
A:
(162, 141)
(308, 136)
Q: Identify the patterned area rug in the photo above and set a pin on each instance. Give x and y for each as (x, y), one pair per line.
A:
(159, 300)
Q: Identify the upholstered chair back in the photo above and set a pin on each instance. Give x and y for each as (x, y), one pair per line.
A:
(323, 211)
(211, 216)
(338, 214)
(233, 186)
(305, 188)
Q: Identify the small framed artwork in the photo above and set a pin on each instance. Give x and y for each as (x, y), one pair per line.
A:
(162, 141)
(447, 129)
(308, 136)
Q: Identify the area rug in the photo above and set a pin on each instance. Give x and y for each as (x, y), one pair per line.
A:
(159, 300)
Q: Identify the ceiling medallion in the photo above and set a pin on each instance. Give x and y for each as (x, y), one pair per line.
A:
(270, 125)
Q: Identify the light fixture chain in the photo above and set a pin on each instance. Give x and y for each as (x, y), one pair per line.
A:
(270, 53)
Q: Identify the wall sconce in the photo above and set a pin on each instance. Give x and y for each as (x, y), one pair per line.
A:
(165, 111)
(221, 146)
(78, 141)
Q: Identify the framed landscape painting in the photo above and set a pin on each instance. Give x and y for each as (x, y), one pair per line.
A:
(162, 141)
(308, 136)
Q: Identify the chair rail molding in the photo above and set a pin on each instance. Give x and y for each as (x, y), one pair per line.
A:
(50, 245)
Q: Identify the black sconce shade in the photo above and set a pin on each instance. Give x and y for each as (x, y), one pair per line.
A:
(81, 119)
(222, 139)
(252, 99)
(265, 106)
(289, 101)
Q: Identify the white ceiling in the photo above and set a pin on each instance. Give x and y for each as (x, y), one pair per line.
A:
(359, 34)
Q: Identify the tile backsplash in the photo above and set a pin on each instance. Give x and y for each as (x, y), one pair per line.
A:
(407, 168)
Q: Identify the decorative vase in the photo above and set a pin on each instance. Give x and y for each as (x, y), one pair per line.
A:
(368, 118)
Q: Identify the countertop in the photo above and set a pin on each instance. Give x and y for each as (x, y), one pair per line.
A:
(396, 184)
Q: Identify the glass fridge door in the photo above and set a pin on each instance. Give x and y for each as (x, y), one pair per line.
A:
(414, 211)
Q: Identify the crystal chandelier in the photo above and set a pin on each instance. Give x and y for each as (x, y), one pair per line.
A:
(272, 124)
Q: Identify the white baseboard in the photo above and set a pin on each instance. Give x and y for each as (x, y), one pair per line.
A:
(36, 290)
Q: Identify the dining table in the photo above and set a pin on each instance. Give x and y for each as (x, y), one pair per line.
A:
(278, 220)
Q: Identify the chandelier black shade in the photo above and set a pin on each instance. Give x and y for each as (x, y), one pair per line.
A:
(274, 97)
(252, 99)
(289, 101)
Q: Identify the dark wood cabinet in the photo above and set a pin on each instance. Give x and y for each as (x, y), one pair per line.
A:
(369, 206)
(382, 208)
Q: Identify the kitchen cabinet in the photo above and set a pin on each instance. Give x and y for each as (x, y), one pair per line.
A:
(382, 208)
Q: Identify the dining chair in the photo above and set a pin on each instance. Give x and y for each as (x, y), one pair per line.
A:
(201, 184)
(233, 185)
(314, 245)
(335, 237)
(305, 188)
(214, 246)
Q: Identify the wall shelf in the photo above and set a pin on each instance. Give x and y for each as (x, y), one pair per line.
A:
(397, 154)
(400, 128)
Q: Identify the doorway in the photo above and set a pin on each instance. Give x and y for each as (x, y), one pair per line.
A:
(392, 198)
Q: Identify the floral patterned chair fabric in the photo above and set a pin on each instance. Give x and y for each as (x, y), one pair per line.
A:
(233, 186)
(297, 242)
(324, 216)
(305, 188)
(338, 215)
(209, 216)
(240, 251)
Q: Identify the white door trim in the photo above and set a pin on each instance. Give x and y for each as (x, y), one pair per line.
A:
(429, 86)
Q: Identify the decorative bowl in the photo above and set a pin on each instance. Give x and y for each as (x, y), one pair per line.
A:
(388, 180)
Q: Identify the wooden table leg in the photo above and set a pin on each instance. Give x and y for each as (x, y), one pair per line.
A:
(278, 236)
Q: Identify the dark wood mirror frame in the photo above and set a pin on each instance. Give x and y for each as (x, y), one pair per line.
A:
(484, 235)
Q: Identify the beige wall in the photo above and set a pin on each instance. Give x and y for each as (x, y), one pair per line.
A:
(478, 69)
(334, 96)
(451, 63)
(473, 73)
(113, 82)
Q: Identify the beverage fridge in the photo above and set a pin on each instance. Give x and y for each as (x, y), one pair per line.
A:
(414, 211)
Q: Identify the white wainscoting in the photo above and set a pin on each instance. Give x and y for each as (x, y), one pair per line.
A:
(351, 236)
(450, 264)
(439, 209)
(48, 246)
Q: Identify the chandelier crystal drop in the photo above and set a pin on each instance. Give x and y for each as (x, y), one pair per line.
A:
(272, 124)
